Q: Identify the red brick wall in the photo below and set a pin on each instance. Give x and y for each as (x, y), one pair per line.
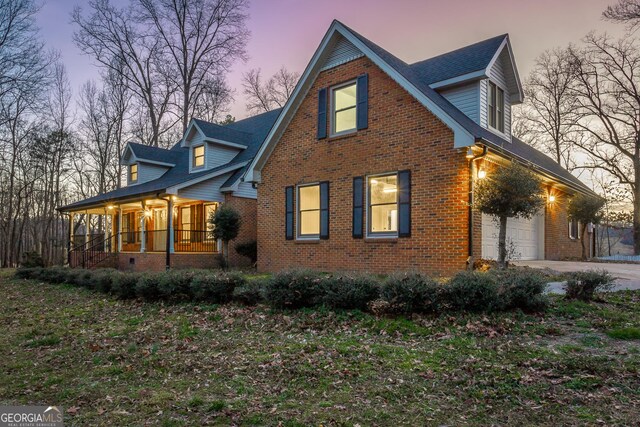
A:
(558, 244)
(248, 229)
(156, 261)
(402, 134)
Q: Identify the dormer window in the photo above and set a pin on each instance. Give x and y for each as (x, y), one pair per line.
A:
(198, 156)
(496, 107)
(133, 172)
(343, 109)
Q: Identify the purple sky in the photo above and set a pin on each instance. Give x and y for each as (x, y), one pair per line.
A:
(287, 32)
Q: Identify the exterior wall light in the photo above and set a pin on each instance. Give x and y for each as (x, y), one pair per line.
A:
(110, 207)
(482, 174)
(552, 198)
(147, 213)
(469, 153)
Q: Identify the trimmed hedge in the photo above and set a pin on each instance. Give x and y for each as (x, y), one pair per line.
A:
(400, 293)
(583, 285)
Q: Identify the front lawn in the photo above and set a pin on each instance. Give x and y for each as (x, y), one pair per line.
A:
(111, 362)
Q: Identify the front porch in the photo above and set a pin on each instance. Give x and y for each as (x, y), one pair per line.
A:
(111, 235)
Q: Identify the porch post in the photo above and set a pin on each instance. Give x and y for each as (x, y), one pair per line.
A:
(106, 230)
(169, 237)
(119, 228)
(70, 246)
(113, 232)
(143, 246)
(87, 219)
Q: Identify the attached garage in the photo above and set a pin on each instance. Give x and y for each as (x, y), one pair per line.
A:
(527, 236)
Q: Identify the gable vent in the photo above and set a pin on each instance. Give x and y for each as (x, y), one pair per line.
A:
(343, 51)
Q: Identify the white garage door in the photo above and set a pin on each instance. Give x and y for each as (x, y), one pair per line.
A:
(526, 235)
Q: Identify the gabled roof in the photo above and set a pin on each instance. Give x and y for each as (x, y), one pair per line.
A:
(460, 62)
(147, 154)
(224, 135)
(466, 131)
(256, 127)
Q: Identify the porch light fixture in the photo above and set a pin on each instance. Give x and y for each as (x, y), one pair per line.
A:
(482, 174)
(469, 153)
(147, 213)
(552, 198)
(110, 207)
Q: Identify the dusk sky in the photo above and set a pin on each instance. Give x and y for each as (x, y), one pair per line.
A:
(287, 32)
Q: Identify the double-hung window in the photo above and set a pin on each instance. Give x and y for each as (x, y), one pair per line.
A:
(133, 173)
(496, 107)
(382, 209)
(198, 156)
(343, 109)
(309, 211)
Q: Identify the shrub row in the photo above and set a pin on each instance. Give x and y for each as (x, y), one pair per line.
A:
(176, 285)
(400, 293)
(404, 293)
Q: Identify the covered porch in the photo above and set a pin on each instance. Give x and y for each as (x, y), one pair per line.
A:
(99, 233)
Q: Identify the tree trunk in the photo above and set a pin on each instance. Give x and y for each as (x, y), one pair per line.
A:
(636, 217)
(225, 251)
(502, 243)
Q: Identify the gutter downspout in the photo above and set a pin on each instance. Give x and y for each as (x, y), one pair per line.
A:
(169, 236)
(471, 222)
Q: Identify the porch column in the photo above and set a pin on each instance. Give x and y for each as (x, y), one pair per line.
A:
(169, 238)
(119, 228)
(70, 246)
(143, 245)
(87, 219)
(106, 231)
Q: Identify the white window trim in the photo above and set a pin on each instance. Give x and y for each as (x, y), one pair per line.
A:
(297, 207)
(504, 104)
(332, 120)
(577, 236)
(378, 235)
(193, 158)
(131, 181)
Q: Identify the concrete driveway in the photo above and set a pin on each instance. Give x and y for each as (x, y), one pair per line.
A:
(627, 275)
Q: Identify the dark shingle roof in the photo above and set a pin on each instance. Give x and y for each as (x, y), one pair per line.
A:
(155, 154)
(223, 133)
(256, 128)
(459, 62)
(515, 148)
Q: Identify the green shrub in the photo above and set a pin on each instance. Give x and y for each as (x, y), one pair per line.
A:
(294, 289)
(124, 285)
(523, 289)
(54, 274)
(27, 272)
(102, 279)
(31, 259)
(251, 293)
(473, 291)
(176, 284)
(216, 288)
(349, 291)
(147, 286)
(81, 277)
(411, 293)
(582, 285)
(249, 250)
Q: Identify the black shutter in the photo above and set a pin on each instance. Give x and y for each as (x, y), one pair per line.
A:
(358, 201)
(289, 212)
(362, 99)
(322, 113)
(324, 210)
(404, 203)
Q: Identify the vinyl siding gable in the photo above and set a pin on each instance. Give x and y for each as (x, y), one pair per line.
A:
(466, 99)
(208, 190)
(146, 172)
(343, 51)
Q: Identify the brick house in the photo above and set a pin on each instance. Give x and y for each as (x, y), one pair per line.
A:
(372, 161)
(130, 228)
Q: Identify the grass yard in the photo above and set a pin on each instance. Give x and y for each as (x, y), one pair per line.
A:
(111, 362)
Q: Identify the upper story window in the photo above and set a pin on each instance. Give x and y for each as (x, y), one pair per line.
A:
(343, 109)
(382, 196)
(496, 107)
(309, 211)
(133, 172)
(198, 156)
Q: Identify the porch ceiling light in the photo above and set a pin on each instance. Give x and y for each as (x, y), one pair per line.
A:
(469, 153)
(147, 213)
(110, 207)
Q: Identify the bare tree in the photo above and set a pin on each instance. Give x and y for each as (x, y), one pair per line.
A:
(200, 40)
(547, 118)
(266, 96)
(213, 101)
(625, 11)
(113, 38)
(607, 90)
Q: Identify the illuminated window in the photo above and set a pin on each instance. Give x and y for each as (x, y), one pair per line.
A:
(309, 211)
(209, 211)
(198, 156)
(343, 118)
(496, 107)
(133, 172)
(382, 195)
